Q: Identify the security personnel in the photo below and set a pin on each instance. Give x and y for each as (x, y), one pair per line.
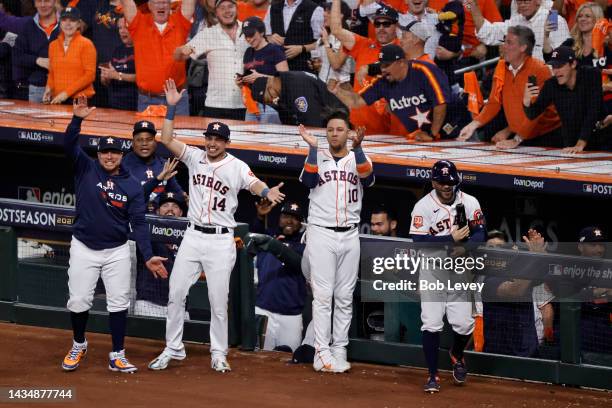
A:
(416, 91)
(299, 98)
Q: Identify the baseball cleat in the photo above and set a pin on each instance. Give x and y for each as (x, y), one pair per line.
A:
(74, 356)
(459, 371)
(433, 385)
(341, 363)
(328, 364)
(220, 365)
(118, 362)
(161, 362)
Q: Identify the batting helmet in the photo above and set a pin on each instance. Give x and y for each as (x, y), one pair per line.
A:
(445, 172)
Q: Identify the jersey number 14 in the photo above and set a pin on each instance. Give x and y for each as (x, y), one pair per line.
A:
(218, 205)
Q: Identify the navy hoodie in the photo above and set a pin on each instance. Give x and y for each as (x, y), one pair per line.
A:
(32, 43)
(280, 289)
(106, 205)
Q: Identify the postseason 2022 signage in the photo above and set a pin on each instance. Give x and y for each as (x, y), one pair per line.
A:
(58, 218)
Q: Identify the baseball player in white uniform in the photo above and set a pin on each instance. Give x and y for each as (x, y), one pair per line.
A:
(215, 178)
(336, 177)
(434, 219)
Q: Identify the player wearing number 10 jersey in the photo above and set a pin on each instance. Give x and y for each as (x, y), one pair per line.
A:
(336, 177)
(215, 178)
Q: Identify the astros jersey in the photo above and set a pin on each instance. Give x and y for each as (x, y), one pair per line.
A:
(214, 187)
(412, 99)
(431, 217)
(336, 200)
(364, 52)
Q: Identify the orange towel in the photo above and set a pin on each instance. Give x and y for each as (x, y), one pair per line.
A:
(478, 334)
(158, 111)
(499, 78)
(600, 31)
(249, 102)
(471, 87)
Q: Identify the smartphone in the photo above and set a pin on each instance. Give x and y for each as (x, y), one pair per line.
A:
(553, 19)
(532, 80)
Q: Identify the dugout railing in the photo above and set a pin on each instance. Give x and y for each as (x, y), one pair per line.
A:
(33, 291)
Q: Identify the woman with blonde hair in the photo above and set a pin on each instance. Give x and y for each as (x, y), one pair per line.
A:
(581, 35)
(587, 15)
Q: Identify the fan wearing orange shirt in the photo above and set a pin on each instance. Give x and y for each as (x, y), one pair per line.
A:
(365, 51)
(252, 8)
(72, 62)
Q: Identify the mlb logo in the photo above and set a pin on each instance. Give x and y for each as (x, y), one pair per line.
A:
(555, 269)
(417, 221)
(93, 142)
(587, 188)
(412, 172)
(28, 193)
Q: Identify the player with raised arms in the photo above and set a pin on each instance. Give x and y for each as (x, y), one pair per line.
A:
(336, 177)
(215, 178)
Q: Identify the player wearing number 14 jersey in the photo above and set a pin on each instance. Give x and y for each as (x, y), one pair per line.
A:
(215, 178)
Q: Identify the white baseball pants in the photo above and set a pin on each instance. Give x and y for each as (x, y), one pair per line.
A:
(333, 259)
(282, 330)
(87, 265)
(215, 254)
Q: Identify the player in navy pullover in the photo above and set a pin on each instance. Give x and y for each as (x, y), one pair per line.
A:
(109, 203)
(281, 287)
(147, 167)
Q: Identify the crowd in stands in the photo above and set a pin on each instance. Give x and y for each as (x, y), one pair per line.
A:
(233, 57)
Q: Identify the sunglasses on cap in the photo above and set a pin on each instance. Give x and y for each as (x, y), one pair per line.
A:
(385, 23)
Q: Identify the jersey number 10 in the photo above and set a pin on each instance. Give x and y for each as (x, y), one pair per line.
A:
(218, 205)
(353, 196)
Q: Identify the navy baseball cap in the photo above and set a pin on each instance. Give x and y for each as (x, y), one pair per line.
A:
(304, 354)
(169, 196)
(218, 129)
(109, 143)
(445, 172)
(144, 126)
(390, 53)
(293, 208)
(592, 234)
(561, 56)
(252, 25)
(386, 12)
(72, 13)
(258, 89)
